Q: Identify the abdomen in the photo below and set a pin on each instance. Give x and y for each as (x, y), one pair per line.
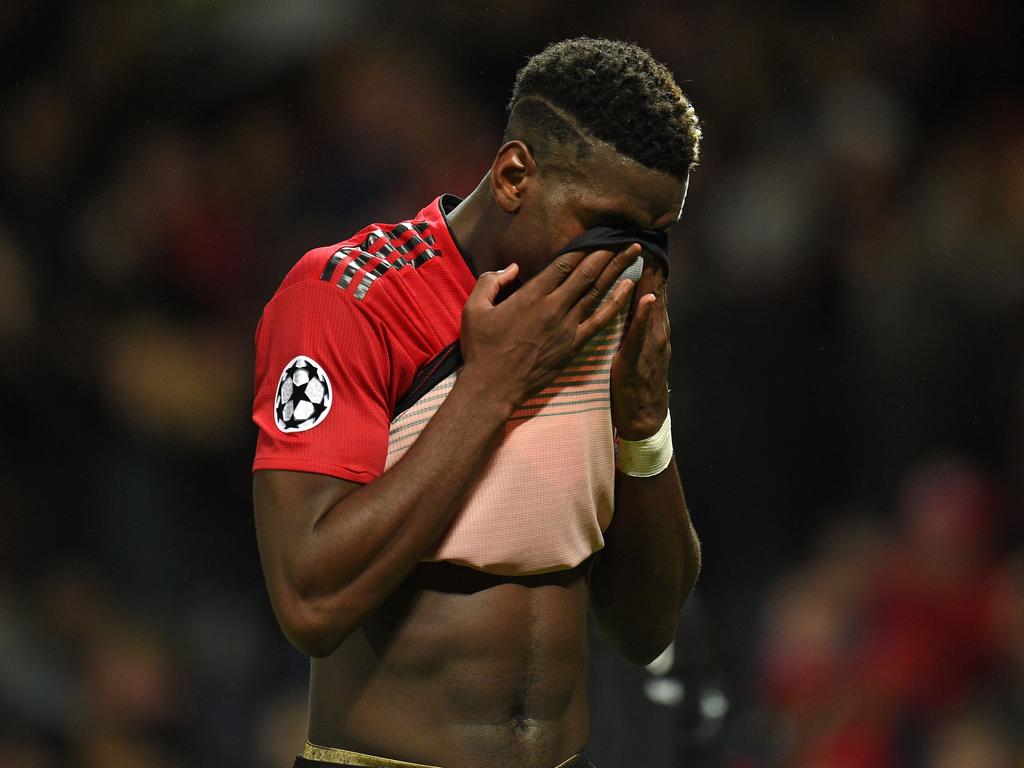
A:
(459, 664)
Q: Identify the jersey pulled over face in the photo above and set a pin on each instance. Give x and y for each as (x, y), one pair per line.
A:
(358, 349)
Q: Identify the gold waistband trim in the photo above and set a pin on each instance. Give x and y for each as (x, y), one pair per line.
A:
(347, 757)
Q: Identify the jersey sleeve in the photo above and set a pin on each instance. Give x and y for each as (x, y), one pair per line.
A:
(321, 385)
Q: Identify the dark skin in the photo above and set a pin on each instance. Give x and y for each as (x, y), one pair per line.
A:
(436, 664)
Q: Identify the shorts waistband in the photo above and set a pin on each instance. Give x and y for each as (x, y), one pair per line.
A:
(344, 757)
(347, 757)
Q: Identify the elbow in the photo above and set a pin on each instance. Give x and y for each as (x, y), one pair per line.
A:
(311, 641)
(313, 627)
(645, 650)
(642, 651)
(635, 646)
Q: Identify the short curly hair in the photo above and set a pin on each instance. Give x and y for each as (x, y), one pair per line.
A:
(609, 90)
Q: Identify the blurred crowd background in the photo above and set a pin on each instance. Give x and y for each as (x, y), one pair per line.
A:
(848, 361)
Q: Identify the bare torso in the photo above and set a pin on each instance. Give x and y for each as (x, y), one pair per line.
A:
(462, 669)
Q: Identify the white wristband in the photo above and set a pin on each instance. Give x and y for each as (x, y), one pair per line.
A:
(647, 457)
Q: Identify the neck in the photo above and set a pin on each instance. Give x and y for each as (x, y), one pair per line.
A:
(475, 222)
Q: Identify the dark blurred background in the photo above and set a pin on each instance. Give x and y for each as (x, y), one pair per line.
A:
(848, 367)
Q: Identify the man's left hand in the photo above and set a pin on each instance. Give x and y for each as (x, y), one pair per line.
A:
(639, 378)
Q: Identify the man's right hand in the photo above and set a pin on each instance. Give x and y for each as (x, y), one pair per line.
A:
(518, 346)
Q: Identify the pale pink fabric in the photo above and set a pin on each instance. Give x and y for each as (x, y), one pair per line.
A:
(546, 497)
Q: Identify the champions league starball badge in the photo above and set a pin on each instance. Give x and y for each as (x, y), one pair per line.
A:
(303, 395)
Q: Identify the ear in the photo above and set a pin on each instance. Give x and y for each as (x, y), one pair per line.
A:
(512, 173)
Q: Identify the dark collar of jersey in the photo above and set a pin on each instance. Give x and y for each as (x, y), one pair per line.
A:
(447, 204)
(609, 238)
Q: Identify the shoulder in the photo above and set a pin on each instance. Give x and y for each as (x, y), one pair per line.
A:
(403, 284)
(378, 251)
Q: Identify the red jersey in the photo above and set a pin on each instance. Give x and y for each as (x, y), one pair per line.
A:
(356, 320)
(358, 350)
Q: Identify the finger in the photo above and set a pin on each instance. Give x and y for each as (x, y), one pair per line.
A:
(638, 329)
(657, 338)
(664, 328)
(604, 313)
(657, 349)
(490, 284)
(586, 286)
(666, 325)
(582, 279)
(555, 273)
(644, 286)
(593, 296)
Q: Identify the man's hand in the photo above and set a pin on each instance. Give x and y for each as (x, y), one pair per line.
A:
(518, 346)
(639, 379)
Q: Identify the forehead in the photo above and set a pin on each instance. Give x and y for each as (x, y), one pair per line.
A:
(609, 182)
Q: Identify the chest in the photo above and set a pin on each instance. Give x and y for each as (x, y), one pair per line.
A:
(546, 497)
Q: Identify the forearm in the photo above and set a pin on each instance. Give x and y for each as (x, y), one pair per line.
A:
(648, 567)
(362, 547)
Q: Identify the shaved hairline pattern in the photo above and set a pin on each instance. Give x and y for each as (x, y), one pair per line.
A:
(609, 91)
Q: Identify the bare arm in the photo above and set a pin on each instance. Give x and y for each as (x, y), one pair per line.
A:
(333, 551)
(651, 558)
(648, 567)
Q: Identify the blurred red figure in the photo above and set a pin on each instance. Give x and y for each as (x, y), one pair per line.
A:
(929, 629)
(816, 716)
(851, 666)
